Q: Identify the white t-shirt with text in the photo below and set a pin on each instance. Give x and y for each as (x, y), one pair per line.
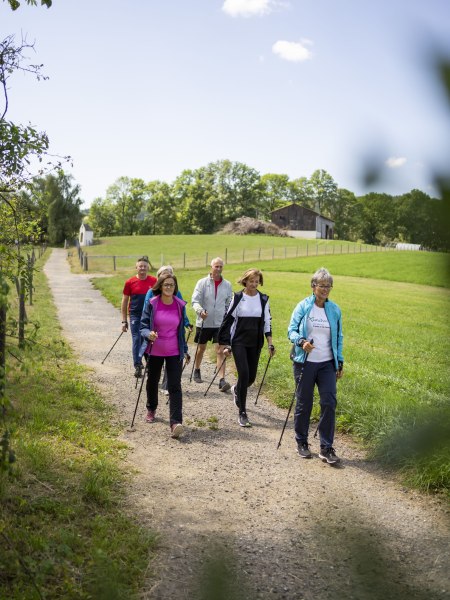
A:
(318, 328)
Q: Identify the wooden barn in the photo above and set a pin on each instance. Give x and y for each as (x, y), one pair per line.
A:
(303, 222)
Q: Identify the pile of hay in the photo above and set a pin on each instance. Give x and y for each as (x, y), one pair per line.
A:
(247, 225)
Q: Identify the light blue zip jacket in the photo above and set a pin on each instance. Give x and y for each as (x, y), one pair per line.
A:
(297, 328)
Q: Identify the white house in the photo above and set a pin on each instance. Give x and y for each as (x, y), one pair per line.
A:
(86, 235)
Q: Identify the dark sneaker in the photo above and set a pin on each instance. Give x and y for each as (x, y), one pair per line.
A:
(150, 418)
(329, 455)
(243, 420)
(224, 386)
(303, 450)
(197, 376)
(138, 371)
(176, 430)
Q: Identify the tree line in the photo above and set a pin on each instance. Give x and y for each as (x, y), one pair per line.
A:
(203, 200)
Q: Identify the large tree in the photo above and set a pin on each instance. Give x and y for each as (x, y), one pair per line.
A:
(102, 217)
(324, 190)
(63, 201)
(127, 196)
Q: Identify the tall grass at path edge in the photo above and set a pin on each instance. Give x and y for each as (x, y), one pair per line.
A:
(65, 529)
(394, 393)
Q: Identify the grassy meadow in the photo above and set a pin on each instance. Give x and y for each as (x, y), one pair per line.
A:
(394, 394)
(64, 530)
(196, 251)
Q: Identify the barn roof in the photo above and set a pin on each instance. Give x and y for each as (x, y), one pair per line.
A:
(282, 208)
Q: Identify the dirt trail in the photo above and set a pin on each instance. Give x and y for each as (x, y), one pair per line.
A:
(292, 528)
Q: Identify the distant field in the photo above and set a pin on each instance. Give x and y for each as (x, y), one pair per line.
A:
(397, 339)
(426, 268)
(196, 251)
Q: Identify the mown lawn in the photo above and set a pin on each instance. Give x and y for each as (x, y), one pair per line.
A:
(196, 251)
(396, 384)
(64, 530)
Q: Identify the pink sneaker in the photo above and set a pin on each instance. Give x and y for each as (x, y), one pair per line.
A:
(150, 418)
(176, 429)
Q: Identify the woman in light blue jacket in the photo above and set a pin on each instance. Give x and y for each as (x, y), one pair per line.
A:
(315, 330)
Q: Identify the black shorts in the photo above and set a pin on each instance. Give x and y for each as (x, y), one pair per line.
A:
(205, 335)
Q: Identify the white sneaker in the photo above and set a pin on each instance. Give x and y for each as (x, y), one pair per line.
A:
(176, 429)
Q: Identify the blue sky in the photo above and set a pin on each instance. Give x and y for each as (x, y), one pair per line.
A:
(147, 88)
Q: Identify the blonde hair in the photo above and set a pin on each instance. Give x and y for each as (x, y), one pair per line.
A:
(250, 273)
(167, 268)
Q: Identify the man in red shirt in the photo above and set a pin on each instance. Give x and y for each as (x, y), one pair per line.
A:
(133, 297)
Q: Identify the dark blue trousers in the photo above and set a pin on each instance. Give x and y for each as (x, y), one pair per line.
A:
(135, 326)
(324, 376)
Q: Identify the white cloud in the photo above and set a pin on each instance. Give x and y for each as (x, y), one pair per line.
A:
(293, 51)
(247, 8)
(395, 162)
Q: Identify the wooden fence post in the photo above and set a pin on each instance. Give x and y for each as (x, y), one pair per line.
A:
(114, 263)
(22, 314)
(30, 264)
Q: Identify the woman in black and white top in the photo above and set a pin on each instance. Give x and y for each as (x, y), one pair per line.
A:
(243, 329)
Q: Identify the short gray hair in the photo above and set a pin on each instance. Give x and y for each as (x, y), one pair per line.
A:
(167, 268)
(217, 259)
(321, 274)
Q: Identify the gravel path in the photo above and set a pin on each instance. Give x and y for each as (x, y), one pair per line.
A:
(287, 527)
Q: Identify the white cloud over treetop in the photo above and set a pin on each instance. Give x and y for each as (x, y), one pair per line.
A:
(247, 8)
(394, 162)
(293, 51)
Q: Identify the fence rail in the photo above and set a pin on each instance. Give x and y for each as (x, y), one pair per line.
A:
(106, 263)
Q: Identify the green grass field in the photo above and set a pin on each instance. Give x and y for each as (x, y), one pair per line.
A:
(271, 253)
(196, 251)
(64, 530)
(396, 347)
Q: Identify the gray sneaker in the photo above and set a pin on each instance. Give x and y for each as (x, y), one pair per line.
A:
(243, 420)
(197, 376)
(329, 455)
(303, 450)
(224, 386)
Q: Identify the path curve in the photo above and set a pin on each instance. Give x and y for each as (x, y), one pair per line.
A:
(293, 528)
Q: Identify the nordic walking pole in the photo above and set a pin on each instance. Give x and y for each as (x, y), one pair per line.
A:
(142, 382)
(262, 381)
(140, 391)
(196, 350)
(217, 372)
(121, 334)
(294, 395)
(188, 358)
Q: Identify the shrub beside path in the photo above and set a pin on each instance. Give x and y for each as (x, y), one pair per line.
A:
(282, 526)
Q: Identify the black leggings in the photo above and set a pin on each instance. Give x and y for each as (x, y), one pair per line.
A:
(246, 360)
(173, 369)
